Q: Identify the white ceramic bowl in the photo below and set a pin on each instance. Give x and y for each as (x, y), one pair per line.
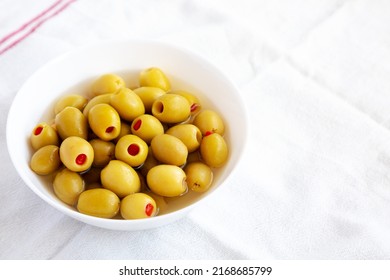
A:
(73, 72)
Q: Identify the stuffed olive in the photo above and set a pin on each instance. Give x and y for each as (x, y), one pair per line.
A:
(104, 121)
(171, 108)
(132, 150)
(195, 105)
(138, 206)
(43, 135)
(76, 154)
(147, 127)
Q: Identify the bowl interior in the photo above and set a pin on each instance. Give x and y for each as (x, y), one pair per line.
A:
(74, 72)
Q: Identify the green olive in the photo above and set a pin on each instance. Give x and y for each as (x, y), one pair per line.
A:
(192, 99)
(68, 185)
(104, 121)
(98, 202)
(71, 122)
(209, 121)
(167, 180)
(45, 160)
(76, 154)
(199, 176)
(147, 127)
(128, 104)
(154, 77)
(138, 206)
(132, 150)
(189, 134)
(120, 178)
(214, 150)
(169, 149)
(43, 135)
(103, 152)
(171, 108)
(100, 99)
(107, 83)
(70, 100)
(148, 95)
(150, 162)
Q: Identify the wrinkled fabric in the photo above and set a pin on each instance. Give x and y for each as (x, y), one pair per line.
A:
(314, 182)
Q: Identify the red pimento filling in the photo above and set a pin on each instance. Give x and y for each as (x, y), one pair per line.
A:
(208, 133)
(109, 129)
(149, 209)
(194, 107)
(81, 159)
(137, 125)
(133, 149)
(38, 130)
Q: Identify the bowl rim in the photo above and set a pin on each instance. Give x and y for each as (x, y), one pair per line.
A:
(119, 223)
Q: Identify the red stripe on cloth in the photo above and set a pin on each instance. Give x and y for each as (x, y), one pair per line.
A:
(35, 26)
(25, 25)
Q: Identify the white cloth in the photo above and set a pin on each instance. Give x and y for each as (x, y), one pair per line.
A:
(315, 181)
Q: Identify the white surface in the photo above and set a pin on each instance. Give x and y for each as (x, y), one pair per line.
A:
(315, 183)
(185, 70)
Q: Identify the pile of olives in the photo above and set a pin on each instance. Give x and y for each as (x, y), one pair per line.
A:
(120, 152)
